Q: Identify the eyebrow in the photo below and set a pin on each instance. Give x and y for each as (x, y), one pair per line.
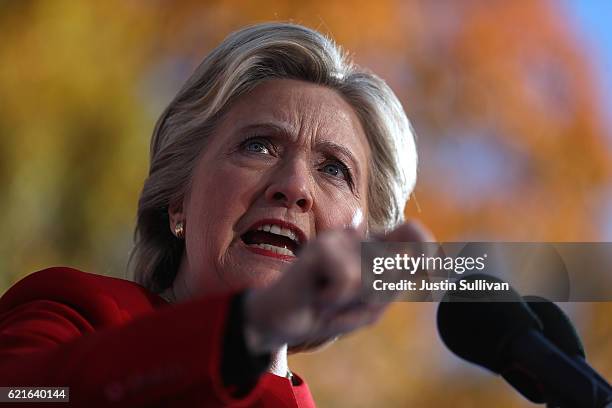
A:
(287, 130)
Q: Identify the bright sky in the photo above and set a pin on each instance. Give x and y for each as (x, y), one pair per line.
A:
(593, 19)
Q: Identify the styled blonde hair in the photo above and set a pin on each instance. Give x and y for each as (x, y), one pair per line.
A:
(241, 62)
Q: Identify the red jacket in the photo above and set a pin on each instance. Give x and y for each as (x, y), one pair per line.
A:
(113, 342)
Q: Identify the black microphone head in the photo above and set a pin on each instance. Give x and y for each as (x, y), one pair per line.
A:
(477, 325)
(557, 328)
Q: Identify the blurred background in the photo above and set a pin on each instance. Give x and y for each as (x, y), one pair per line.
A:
(511, 101)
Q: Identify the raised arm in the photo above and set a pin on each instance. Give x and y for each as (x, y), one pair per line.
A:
(62, 327)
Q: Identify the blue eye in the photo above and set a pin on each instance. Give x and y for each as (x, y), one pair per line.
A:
(256, 147)
(335, 170)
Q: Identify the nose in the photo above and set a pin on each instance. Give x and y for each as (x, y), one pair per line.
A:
(290, 187)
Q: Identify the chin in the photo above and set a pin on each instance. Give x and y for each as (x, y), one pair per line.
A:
(251, 275)
(263, 277)
(254, 269)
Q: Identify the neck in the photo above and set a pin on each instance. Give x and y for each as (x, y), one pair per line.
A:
(279, 365)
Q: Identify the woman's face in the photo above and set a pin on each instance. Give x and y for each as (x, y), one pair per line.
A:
(288, 161)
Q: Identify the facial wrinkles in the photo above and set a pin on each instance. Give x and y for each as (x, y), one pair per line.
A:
(230, 185)
(314, 123)
(216, 157)
(309, 120)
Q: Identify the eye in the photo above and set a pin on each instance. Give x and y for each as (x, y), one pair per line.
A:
(336, 169)
(257, 146)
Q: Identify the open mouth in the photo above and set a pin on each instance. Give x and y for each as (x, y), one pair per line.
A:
(273, 239)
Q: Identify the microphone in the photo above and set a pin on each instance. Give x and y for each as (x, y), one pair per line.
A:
(557, 328)
(499, 331)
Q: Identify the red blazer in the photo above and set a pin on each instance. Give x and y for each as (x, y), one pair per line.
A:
(114, 343)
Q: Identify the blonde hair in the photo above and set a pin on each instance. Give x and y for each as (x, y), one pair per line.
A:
(241, 62)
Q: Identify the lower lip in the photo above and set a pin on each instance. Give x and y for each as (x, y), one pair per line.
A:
(265, 252)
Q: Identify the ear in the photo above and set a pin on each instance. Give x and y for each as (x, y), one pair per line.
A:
(175, 213)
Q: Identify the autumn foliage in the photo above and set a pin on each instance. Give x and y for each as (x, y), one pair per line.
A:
(501, 95)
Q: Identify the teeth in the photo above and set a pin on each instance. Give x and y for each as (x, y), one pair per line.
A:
(275, 249)
(289, 234)
(275, 229)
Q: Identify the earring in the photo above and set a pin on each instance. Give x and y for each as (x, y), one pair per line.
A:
(179, 230)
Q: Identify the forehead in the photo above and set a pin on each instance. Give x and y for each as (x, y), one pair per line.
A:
(306, 110)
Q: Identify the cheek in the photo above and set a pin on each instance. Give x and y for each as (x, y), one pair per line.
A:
(340, 211)
(217, 200)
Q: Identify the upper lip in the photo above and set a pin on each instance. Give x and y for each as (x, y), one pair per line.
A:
(283, 224)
